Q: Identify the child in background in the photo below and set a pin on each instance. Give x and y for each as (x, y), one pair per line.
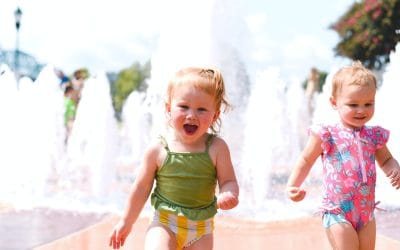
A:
(312, 88)
(187, 164)
(348, 151)
(312, 83)
(70, 104)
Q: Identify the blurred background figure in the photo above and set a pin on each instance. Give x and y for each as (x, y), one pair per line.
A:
(312, 87)
(71, 104)
(64, 80)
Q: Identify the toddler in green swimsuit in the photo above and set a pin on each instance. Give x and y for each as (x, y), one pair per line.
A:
(187, 164)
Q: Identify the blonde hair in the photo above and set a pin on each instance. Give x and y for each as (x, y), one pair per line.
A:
(356, 74)
(209, 80)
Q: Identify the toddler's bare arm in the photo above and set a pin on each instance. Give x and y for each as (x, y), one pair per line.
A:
(389, 165)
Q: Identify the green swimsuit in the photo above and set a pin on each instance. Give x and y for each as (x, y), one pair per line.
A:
(185, 184)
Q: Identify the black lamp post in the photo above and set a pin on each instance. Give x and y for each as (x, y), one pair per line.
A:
(17, 15)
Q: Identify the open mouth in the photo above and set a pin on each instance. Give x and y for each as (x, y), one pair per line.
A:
(190, 129)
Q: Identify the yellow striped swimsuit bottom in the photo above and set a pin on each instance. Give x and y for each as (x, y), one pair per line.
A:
(186, 231)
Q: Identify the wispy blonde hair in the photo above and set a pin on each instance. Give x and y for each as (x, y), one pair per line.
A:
(355, 74)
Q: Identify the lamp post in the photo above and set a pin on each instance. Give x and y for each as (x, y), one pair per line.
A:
(17, 15)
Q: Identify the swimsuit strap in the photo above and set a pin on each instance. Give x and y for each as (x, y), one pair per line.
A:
(209, 141)
(164, 143)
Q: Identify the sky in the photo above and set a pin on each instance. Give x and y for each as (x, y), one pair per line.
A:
(111, 35)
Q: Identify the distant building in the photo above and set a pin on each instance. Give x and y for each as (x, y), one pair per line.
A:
(27, 64)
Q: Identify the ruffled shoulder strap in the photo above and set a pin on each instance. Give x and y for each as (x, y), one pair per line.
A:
(324, 133)
(378, 135)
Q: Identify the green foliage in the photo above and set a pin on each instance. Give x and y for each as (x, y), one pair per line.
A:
(369, 31)
(322, 79)
(128, 80)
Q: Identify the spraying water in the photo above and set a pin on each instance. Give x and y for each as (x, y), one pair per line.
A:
(265, 129)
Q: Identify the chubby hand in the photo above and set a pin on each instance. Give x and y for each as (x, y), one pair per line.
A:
(296, 193)
(227, 200)
(119, 234)
(394, 176)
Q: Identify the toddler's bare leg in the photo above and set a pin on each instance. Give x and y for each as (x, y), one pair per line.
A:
(158, 237)
(342, 236)
(367, 236)
(204, 243)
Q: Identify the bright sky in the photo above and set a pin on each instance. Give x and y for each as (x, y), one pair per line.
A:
(111, 35)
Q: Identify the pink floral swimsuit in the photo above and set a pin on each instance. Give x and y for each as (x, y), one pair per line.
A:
(349, 173)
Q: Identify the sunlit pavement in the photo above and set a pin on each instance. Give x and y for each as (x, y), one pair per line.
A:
(230, 232)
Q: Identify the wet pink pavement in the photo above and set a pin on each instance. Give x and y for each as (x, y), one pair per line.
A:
(47, 229)
(26, 229)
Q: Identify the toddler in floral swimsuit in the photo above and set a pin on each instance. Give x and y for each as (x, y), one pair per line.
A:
(349, 171)
(348, 151)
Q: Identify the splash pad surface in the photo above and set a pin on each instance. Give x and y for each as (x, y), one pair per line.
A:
(231, 233)
(26, 229)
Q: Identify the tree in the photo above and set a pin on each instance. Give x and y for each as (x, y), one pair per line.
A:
(369, 31)
(128, 80)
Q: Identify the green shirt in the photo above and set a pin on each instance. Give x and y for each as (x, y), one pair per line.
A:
(70, 109)
(185, 184)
